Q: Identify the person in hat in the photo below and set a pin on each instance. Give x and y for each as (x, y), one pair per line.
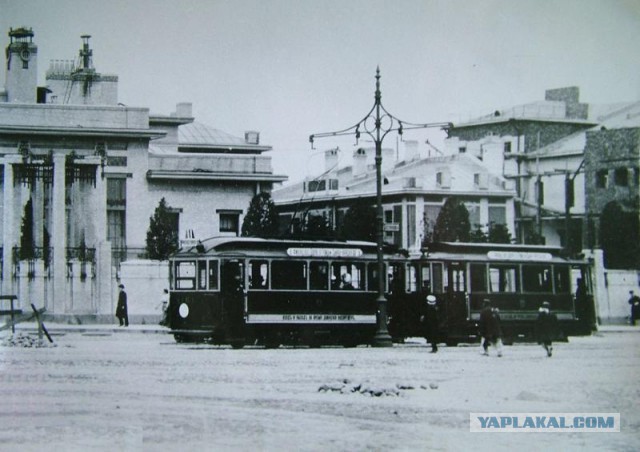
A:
(634, 302)
(546, 327)
(490, 328)
(121, 309)
(430, 322)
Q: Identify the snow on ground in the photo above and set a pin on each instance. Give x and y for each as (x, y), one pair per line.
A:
(125, 390)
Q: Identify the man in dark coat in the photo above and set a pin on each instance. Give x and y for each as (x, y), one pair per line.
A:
(546, 327)
(490, 328)
(121, 309)
(634, 302)
(430, 322)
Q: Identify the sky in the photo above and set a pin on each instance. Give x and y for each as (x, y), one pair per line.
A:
(292, 68)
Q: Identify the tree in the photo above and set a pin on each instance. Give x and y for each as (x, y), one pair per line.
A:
(360, 222)
(317, 227)
(27, 250)
(162, 236)
(478, 235)
(261, 219)
(452, 224)
(499, 233)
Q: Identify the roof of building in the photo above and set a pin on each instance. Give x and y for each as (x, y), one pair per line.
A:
(199, 134)
(620, 117)
(418, 175)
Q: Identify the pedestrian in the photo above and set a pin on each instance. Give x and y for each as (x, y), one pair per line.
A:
(429, 320)
(121, 309)
(346, 282)
(164, 306)
(634, 302)
(546, 327)
(490, 328)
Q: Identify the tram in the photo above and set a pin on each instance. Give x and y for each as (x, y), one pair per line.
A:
(240, 290)
(516, 279)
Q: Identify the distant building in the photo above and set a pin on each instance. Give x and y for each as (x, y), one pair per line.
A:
(414, 190)
(549, 149)
(81, 174)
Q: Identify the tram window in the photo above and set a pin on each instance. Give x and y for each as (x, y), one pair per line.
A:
(213, 275)
(457, 281)
(412, 279)
(425, 279)
(503, 278)
(289, 275)
(319, 275)
(563, 279)
(396, 279)
(536, 278)
(186, 275)
(478, 278)
(347, 276)
(202, 275)
(437, 278)
(372, 277)
(259, 274)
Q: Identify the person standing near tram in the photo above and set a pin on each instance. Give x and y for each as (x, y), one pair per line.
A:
(546, 327)
(430, 322)
(490, 328)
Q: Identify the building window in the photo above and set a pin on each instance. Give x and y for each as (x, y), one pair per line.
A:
(462, 149)
(116, 231)
(507, 146)
(316, 185)
(229, 222)
(621, 177)
(333, 184)
(497, 215)
(602, 177)
(116, 212)
(636, 176)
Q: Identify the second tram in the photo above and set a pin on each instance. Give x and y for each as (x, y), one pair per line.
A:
(516, 279)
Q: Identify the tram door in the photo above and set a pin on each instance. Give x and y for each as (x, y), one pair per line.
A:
(232, 291)
(456, 290)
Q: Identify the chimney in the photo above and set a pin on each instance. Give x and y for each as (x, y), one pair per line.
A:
(252, 137)
(359, 162)
(183, 110)
(331, 159)
(22, 69)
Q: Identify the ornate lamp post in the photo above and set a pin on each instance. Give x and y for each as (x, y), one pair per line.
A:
(377, 123)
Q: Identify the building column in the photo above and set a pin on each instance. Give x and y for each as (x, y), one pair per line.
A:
(419, 222)
(59, 236)
(104, 305)
(9, 238)
(484, 215)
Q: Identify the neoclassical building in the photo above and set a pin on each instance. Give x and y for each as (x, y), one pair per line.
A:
(81, 174)
(414, 189)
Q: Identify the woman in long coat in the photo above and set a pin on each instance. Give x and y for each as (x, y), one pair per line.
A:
(546, 327)
(121, 309)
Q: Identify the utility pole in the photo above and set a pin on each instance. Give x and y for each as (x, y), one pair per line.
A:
(377, 123)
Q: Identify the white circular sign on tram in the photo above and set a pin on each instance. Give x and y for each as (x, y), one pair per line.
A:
(183, 310)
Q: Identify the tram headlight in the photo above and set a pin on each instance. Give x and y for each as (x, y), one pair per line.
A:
(183, 310)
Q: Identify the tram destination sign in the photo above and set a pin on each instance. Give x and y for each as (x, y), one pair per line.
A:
(518, 256)
(324, 252)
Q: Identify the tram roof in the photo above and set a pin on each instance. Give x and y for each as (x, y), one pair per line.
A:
(498, 251)
(243, 244)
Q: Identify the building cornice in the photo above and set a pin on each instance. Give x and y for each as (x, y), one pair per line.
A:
(80, 132)
(213, 176)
